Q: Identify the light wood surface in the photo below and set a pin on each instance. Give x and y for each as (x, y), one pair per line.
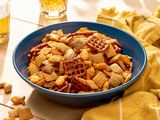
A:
(25, 18)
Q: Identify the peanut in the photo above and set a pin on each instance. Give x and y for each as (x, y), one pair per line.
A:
(7, 88)
(100, 66)
(60, 80)
(106, 85)
(2, 85)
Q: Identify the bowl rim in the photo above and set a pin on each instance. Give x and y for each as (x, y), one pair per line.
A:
(85, 94)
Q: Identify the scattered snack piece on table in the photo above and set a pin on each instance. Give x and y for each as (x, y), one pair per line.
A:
(80, 62)
(16, 100)
(25, 113)
(2, 85)
(13, 113)
(7, 88)
(8, 118)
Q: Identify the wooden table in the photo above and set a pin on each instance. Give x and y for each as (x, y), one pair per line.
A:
(25, 18)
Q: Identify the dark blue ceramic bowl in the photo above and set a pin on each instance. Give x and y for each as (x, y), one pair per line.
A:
(130, 45)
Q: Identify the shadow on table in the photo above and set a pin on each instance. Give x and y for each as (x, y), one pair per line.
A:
(44, 22)
(3, 51)
(5, 97)
(48, 109)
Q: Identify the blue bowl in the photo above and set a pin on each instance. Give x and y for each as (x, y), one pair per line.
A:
(130, 46)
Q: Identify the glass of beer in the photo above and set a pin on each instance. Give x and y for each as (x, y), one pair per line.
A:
(4, 20)
(53, 9)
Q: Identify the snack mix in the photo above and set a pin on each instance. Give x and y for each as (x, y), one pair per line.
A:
(80, 62)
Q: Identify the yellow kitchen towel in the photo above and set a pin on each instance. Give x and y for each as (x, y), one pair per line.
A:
(141, 101)
(137, 106)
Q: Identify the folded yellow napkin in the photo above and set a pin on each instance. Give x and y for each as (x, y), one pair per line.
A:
(141, 100)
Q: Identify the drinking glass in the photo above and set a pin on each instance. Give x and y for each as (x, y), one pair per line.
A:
(53, 9)
(4, 20)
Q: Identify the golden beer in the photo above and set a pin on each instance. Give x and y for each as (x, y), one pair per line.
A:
(53, 8)
(4, 20)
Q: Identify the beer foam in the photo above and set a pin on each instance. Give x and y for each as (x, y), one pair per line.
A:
(4, 8)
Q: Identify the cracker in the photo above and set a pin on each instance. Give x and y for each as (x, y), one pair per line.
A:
(92, 84)
(121, 64)
(97, 44)
(17, 100)
(25, 113)
(61, 67)
(108, 73)
(49, 77)
(125, 73)
(52, 43)
(114, 59)
(8, 118)
(39, 59)
(55, 58)
(110, 52)
(41, 82)
(62, 47)
(13, 113)
(116, 79)
(55, 51)
(53, 37)
(75, 67)
(116, 68)
(47, 69)
(97, 58)
(125, 59)
(45, 51)
(100, 79)
(32, 68)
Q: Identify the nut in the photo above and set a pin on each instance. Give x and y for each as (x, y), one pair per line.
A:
(85, 54)
(60, 80)
(2, 85)
(7, 88)
(100, 66)
(88, 63)
(69, 54)
(106, 85)
(34, 78)
(90, 72)
(92, 84)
